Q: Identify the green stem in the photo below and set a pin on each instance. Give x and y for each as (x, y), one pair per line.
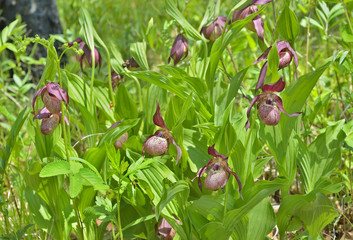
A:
(109, 76)
(138, 87)
(226, 200)
(119, 221)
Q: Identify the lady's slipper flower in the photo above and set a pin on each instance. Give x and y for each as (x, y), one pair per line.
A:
(51, 95)
(256, 25)
(130, 64)
(86, 57)
(286, 54)
(215, 29)
(49, 120)
(218, 172)
(165, 231)
(269, 104)
(179, 50)
(158, 143)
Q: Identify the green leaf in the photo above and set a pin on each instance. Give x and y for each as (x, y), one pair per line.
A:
(75, 185)
(174, 12)
(125, 107)
(138, 52)
(180, 188)
(252, 197)
(113, 134)
(287, 24)
(273, 63)
(93, 179)
(12, 139)
(315, 211)
(55, 168)
(262, 216)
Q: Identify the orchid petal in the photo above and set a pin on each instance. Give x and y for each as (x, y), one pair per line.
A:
(274, 87)
(262, 77)
(260, 2)
(263, 56)
(42, 113)
(114, 125)
(178, 150)
(158, 119)
(212, 151)
(259, 27)
(58, 92)
(238, 180)
(66, 119)
(279, 104)
(36, 95)
(257, 98)
(201, 173)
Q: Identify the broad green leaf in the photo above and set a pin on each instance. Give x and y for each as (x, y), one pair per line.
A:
(252, 197)
(55, 168)
(213, 230)
(138, 52)
(93, 179)
(273, 63)
(287, 24)
(113, 134)
(318, 161)
(181, 189)
(174, 12)
(125, 107)
(75, 185)
(12, 139)
(262, 216)
(315, 211)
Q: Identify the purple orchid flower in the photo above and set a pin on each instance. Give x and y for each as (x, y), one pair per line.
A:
(215, 29)
(86, 57)
(51, 95)
(219, 172)
(165, 230)
(179, 50)
(256, 25)
(49, 120)
(269, 104)
(158, 143)
(286, 54)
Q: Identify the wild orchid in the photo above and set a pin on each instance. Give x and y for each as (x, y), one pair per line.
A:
(158, 143)
(86, 57)
(256, 25)
(179, 50)
(218, 172)
(215, 29)
(52, 95)
(286, 54)
(269, 104)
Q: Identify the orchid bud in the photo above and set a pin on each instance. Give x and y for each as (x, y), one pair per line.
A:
(118, 144)
(179, 50)
(268, 112)
(215, 29)
(156, 146)
(49, 124)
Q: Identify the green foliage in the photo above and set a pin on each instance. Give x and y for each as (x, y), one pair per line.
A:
(87, 180)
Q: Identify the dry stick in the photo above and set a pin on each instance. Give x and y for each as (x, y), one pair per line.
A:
(232, 58)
